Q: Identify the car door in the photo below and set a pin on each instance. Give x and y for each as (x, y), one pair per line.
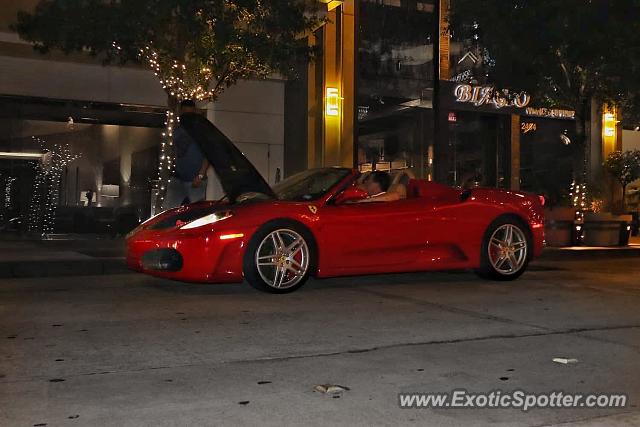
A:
(372, 237)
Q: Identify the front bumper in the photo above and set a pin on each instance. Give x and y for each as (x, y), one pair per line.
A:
(189, 256)
(165, 259)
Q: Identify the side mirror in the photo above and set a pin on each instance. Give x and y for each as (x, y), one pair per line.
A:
(351, 194)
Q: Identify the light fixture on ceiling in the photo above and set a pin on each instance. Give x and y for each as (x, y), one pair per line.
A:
(20, 156)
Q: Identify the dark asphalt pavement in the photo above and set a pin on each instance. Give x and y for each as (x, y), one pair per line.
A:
(130, 350)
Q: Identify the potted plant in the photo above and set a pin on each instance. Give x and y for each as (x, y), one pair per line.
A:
(624, 167)
(560, 223)
(607, 228)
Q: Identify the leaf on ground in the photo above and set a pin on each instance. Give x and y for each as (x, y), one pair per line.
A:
(330, 388)
(565, 361)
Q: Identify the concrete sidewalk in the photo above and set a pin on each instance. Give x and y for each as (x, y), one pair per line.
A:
(61, 257)
(133, 350)
(91, 255)
(590, 252)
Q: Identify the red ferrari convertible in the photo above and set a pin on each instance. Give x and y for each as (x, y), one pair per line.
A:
(309, 225)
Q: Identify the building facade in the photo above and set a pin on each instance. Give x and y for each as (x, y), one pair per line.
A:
(389, 90)
(106, 124)
(393, 90)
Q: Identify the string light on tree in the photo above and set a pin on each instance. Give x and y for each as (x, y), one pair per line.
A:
(165, 164)
(35, 209)
(579, 196)
(8, 193)
(196, 49)
(46, 191)
(1, 210)
(194, 81)
(7, 204)
(188, 74)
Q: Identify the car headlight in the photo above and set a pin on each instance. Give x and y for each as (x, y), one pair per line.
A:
(206, 220)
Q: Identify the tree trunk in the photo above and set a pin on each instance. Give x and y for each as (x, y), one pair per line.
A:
(172, 103)
(624, 198)
(166, 153)
(582, 149)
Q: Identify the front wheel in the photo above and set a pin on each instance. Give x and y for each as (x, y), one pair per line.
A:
(278, 258)
(505, 250)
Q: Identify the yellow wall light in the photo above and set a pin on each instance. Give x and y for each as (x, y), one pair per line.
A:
(610, 122)
(610, 133)
(332, 4)
(332, 108)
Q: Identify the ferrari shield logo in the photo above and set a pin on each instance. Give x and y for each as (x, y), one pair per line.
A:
(313, 209)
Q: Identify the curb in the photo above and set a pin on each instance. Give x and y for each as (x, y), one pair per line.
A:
(117, 265)
(32, 269)
(577, 254)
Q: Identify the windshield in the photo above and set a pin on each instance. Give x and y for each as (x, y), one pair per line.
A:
(310, 185)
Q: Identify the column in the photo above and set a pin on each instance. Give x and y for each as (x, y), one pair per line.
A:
(515, 152)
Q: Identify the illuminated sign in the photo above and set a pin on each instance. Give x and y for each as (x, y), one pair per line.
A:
(463, 76)
(553, 113)
(333, 102)
(610, 123)
(452, 117)
(363, 112)
(528, 127)
(610, 132)
(486, 95)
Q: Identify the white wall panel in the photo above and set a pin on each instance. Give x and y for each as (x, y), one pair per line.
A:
(251, 112)
(630, 140)
(85, 82)
(251, 127)
(256, 96)
(258, 154)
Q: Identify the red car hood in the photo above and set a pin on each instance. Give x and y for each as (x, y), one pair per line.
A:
(236, 173)
(173, 217)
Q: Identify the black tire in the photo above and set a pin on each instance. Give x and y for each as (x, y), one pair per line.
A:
(250, 267)
(487, 269)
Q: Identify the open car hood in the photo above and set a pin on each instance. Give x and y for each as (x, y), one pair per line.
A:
(236, 173)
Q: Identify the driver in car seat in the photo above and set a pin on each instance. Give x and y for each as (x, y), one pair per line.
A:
(380, 188)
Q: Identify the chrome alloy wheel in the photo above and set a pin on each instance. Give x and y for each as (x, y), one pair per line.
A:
(508, 249)
(282, 259)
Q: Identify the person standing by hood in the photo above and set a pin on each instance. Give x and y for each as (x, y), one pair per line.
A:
(189, 180)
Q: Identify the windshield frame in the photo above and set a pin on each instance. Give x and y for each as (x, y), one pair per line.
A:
(341, 175)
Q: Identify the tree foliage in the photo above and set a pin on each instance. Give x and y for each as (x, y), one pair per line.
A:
(564, 51)
(624, 167)
(197, 48)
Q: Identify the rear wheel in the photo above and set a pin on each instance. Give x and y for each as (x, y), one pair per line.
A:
(279, 257)
(505, 250)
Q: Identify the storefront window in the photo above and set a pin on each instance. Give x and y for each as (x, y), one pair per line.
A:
(395, 85)
(91, 177)
(547, 153)
(478, 150)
